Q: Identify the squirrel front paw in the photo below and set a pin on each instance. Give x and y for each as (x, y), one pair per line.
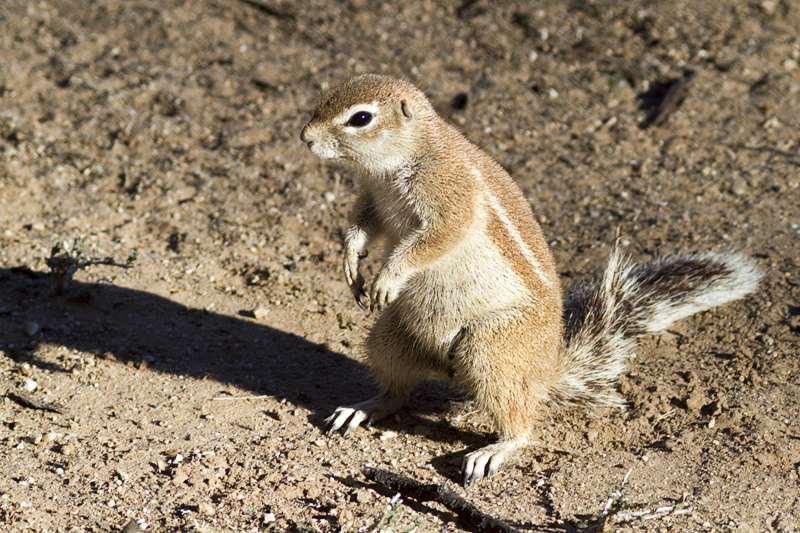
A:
(385, 289)
(353, 277)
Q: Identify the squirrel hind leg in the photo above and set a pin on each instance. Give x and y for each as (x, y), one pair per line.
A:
(507, 362)
(397, 363)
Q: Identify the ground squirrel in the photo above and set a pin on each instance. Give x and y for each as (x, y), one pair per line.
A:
(468, 288)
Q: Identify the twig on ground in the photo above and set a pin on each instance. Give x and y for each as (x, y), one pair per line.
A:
(270, 10)
(242, 398)
(66, 259)
(26, 400)
(411, 488)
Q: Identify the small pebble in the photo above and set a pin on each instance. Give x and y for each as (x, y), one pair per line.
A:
(739, 187)
(329, 197)
(769, 6)
(32, 328)
(260, 312)
(28, 385)
(50, 437)
(386, 435)
(422, 430)
(205, 508)
(695, 402)
(68, 449)
(362, 496)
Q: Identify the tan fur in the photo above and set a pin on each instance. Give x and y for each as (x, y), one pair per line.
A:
(468, 286)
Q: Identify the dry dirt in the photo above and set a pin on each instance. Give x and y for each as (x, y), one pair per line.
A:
(171, 129)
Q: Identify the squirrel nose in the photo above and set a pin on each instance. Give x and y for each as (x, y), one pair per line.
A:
(304, 136)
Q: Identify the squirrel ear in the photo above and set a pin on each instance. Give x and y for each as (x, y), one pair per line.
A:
(406, 111)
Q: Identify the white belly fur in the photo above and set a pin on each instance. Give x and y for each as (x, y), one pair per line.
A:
(469, 282)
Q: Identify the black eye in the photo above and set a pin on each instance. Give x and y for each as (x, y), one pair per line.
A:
(360, 119)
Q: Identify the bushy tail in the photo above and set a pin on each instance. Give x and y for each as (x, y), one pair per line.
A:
(604, 319)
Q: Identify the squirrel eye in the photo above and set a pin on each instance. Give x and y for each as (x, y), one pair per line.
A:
(359, 119)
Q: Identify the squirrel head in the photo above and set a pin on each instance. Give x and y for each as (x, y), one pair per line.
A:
(376, 122)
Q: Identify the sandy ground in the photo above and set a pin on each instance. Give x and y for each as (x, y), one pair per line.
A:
(170, 130)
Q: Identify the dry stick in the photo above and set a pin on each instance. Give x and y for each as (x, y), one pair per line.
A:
(26, 400)
(614, 514)
(270, 10)
(477, 520)
(241, 398)
(612, 497)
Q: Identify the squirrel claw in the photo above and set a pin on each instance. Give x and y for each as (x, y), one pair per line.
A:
(358, 292)
(360, 303)
(373, 418)
(330, 425)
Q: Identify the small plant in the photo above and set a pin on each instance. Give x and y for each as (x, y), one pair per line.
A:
(604, 520)
(619, 510)
(67, 258)
(389, 514)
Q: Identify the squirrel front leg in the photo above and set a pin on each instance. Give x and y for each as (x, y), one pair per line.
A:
(420, 248)
(402, 263)
(441, 224)
(362, 228)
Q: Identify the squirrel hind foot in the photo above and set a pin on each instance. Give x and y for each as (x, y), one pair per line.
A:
(486, 461)
(371, 410)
